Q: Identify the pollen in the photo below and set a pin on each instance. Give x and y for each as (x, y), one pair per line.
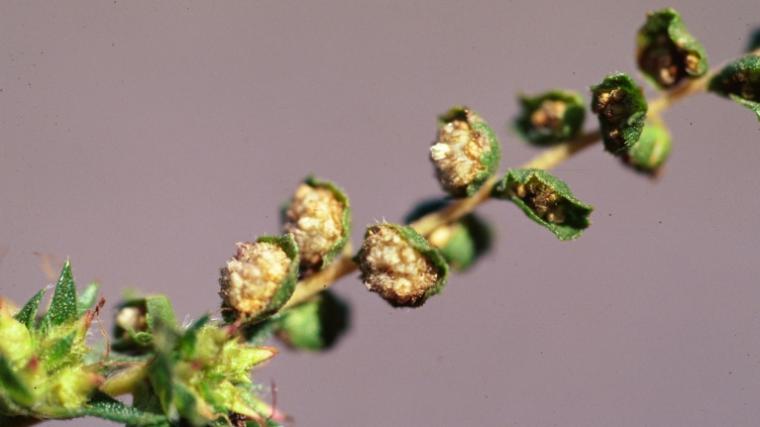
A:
(457, 154)
(251, 278)
(393, 268)
(315, 219)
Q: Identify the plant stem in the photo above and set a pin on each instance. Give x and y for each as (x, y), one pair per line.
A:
(548, 159)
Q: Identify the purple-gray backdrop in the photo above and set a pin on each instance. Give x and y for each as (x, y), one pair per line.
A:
(143, 139)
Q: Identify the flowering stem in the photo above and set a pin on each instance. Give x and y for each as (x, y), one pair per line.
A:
(548, 159)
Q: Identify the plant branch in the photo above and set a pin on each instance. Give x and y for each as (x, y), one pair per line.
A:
(548, 159)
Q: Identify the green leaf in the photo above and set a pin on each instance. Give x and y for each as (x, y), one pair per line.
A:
(740, 81)
(461, 243)
(666, 52)
(28, 313)
(621, 108)
(59, 352)
(160, 374)
(550, 117)
(12, 385)
(103, 406)
(546, 200)
(87, 298)
(63, 307)
(190, 337)
(480, 132)
(189, 406)
(159, 309)
(315, 325)
(652, 150)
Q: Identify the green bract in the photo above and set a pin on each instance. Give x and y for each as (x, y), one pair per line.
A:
(136, 320)
(546, 200)
(666, 52)
(621, 108)
(44, 371)
(466, 152)
(652, 150)
(740, 81)
(400, 265)
(315, 325)
(260, 278)
(550, 117)
(319, 217)
(463, 242)
(200, 375)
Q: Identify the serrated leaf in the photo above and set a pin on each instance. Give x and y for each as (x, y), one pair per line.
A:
(87, 298)
(550, 117)
(12, 385)
(667, 52)
(28, 313)
(740, 81)
(103, 406)
(63, 306)
(621, 108)
(546, 200)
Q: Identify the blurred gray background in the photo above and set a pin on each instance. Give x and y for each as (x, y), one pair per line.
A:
(143, 139)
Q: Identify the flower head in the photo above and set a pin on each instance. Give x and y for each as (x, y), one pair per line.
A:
(400, 265)
(465, 153)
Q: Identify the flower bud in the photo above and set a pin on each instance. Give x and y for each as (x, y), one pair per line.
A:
(400, 265)
(466, 152)
(740, 81)
(319, 217)
(652, 150)
(461, 243)
(546, 200)
(666, 52)
(550, 117)
(260, 278)
(621, 108)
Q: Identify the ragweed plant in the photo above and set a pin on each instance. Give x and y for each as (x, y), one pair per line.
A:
(199, 374)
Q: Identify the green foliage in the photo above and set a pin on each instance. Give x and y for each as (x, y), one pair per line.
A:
(546, 200)
(740, 81)
(201, 374)
(63, 306)
(461, 243)
(42, 364)
(550, 117)
(652, 150)
(666, 52)
(315, 325)
(621, 107)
